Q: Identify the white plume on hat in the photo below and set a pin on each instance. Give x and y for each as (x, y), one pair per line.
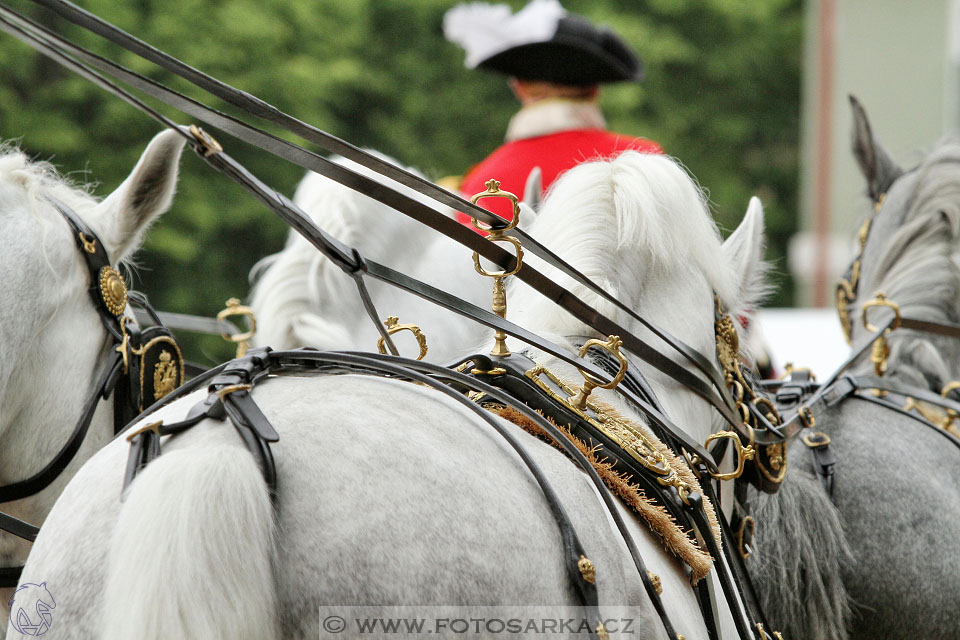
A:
(484, 30)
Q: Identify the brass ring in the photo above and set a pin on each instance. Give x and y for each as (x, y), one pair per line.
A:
(953, 385)
(494, 191)
(806, 417)
(500, 274)
(808, 439)
(880, 301)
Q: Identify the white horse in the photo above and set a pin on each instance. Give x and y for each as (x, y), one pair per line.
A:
(301, 299)
(391, 493)
(52, 341)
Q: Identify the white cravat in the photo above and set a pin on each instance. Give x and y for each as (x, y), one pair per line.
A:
(553, 115)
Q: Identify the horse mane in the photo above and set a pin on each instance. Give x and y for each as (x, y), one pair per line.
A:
(292, 289)
(918, 267)
(36, 177)
(661, 223)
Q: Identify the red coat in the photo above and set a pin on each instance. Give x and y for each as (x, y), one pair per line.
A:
(553, 153)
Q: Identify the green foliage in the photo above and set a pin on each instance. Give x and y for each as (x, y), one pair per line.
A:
(721, 94)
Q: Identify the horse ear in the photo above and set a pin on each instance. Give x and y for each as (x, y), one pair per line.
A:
(146, 193)
(533, 188)
(875, 163)
(527, 215)
(743, 251)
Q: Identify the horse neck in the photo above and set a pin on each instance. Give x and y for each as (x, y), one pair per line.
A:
(677, 303)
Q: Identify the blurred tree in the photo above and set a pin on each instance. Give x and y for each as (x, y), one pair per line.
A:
(721, 94)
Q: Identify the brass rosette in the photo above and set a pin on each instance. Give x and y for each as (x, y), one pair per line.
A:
(113, 291)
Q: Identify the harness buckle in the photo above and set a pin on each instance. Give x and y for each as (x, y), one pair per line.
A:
(209, 145)
(816, 440)
(743, 453)
(153, 426)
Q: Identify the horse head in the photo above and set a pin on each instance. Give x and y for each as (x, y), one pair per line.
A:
(51, 335)
(910, 247)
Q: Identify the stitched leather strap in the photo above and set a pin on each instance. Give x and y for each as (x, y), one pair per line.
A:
(371, 188)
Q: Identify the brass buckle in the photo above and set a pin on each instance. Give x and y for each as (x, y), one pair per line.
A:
(741, 548)
(806, 417)
(744, 453)
(234, 308)
(223, 392)
(210, 146)
(393, 326)
(612, 344)
(822, 439)
(153, 426)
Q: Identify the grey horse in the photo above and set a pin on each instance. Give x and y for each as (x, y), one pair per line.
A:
(882, 560)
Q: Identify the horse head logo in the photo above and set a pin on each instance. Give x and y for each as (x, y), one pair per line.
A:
(30, 607)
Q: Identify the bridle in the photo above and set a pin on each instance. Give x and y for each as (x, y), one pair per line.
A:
(142, 366)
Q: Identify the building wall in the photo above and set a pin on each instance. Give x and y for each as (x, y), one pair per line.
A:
(899, 58)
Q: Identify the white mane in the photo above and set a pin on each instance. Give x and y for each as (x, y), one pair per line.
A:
(641, 212)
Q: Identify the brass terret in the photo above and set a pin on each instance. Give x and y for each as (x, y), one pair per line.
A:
(497, 235)
(612, 344)
(234, 308)
(393, 326)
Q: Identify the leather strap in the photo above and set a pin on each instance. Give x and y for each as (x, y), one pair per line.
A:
(371, 188)
(42, 479)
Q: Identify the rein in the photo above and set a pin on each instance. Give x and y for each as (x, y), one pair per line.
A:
(55, 47)
(134, 353)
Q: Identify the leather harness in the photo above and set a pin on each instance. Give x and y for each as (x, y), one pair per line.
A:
(143, 365)
(230, 384)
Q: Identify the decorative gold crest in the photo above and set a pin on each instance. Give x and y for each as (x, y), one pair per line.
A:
(602, 633)
(775, 454)
(587, 570)
(728, 343)
(164, 375)
(655, 581)
(113, 291)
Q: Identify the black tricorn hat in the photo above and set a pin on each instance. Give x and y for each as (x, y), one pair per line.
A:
(541, 42)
